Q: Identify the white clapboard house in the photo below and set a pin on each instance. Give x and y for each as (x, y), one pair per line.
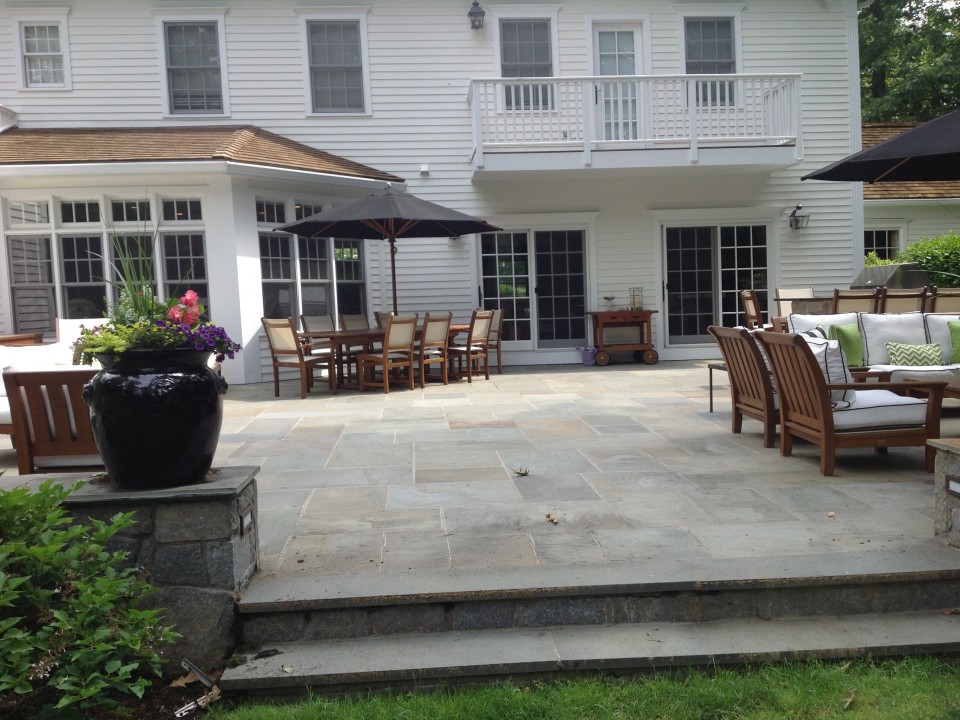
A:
(622, 145)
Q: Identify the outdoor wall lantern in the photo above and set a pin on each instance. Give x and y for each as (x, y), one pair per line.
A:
(799, 218)
(476, 15)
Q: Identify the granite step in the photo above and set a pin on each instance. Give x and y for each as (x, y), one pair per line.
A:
(341, 633)
(425, 660)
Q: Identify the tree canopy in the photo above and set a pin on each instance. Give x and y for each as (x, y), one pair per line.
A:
(909, 59)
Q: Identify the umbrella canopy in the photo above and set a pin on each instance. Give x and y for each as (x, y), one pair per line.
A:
(388, 215)
(926, 153)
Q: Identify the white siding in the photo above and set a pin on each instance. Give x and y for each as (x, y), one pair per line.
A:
(422, 54)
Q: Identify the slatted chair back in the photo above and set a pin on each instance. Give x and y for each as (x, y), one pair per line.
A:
(845, 301)
(752, 310)
(901, 300)
(751, 384)
(51, 421)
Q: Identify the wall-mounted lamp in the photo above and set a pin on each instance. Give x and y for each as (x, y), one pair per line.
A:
(476, 15)
(799, 218)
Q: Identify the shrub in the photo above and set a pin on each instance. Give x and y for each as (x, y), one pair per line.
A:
(871, 259)
(939, 256)
(72, 634)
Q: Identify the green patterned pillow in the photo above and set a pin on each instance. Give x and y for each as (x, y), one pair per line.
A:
(913, 355)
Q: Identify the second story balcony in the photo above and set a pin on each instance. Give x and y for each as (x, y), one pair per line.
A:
(642, 121)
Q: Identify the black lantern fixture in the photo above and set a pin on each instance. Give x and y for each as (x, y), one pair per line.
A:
(476, 15)
(799, 218)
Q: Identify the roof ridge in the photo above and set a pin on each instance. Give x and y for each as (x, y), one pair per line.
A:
(240, 137)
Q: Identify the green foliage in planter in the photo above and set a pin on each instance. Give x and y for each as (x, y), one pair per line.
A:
(72, 633)
(939, 256)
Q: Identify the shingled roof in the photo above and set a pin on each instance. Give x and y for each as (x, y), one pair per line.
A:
(874, 133)
(244, 144)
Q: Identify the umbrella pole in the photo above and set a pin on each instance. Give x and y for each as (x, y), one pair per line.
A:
(393, 273)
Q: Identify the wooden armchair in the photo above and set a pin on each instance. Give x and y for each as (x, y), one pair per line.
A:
(398, 339)
(877, 417)
(51, 421)
(751, 386)
(432, 348)
(287, 350)
(474, 351)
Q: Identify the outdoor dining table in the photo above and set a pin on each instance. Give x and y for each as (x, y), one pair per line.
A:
(342, 340)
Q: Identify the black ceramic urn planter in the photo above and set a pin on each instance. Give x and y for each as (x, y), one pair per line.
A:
(156, 416)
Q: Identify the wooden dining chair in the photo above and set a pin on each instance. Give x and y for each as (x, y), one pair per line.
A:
(752, 309)
(943, 300)
(844, 301)
(474, 351)
(496, 335)
(287, 350)
(784, 297)
(432, 347)
(397, 353)
(901, 300)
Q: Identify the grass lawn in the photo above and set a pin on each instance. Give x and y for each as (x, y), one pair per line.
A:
(920, 688)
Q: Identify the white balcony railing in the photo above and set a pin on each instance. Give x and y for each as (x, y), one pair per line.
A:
(588, 114)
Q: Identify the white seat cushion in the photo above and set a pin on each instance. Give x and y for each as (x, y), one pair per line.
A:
(5, 417)
(926, 373)
(873, 409)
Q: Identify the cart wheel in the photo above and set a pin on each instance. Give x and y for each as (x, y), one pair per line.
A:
(603, 357)
(650, 357)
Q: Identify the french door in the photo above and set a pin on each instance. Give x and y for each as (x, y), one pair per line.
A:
(538, 278)
(616, 52)
(705, 269)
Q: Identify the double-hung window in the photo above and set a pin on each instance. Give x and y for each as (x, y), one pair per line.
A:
(195, 76)
(711, 50)
(43, 52)
(336, 66)
(526, 52)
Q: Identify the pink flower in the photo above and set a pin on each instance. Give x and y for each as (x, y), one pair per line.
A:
(191, 315)
(175, 314)
(190, 298)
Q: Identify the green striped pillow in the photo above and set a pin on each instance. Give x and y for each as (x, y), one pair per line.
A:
(913, 355)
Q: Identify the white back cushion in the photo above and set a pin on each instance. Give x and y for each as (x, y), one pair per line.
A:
(938, 333)
(834, 368)
(876, 329)
(801, 323)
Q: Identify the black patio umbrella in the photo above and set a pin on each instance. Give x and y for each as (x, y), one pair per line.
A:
(925, 153)
(388, 215)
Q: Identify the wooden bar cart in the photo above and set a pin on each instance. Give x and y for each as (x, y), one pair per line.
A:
(624, 330)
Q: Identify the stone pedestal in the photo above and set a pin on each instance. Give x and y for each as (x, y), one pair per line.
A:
(946, 491)
(196, 543)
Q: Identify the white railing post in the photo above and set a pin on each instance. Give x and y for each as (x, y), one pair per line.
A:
(692, 119)
(588, 112)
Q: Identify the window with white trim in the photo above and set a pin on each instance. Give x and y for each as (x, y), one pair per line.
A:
(296, 273)
(44, 58)
(69, 273)
(195, 83)
(885, 243)
(526, 51)
(711, 50)
(335, 55)
(182, 210)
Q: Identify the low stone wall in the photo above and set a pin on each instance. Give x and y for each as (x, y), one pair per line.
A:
(197, 544)
(946, 491)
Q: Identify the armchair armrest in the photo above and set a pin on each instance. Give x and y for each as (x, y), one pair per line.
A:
(865, 374)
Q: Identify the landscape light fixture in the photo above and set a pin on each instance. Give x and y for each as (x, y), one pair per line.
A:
(799, 218)
(476, 15)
